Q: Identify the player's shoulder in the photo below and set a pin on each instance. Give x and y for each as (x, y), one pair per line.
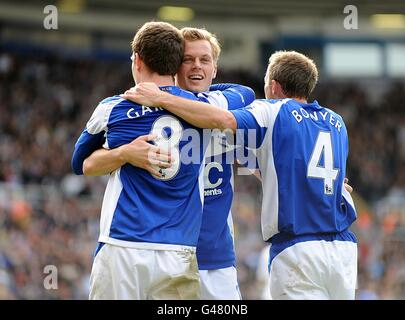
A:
(215, 98)
(114, 101)
(111, 100)
(111, 108)
(177, 91)
(99, 118)
(332, 112)
(209, 96)
(335, 114)
(279, 101)
(268, 103)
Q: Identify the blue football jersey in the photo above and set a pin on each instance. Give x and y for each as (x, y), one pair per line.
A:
(140, 210)
(215, 249)
(302, 149)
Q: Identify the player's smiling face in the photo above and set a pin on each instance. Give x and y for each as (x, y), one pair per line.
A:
(198, 68)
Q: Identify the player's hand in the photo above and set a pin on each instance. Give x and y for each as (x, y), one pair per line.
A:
(145, 93)
(147, 156)
(348, 187)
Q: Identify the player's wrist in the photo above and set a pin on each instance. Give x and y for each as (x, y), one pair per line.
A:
(164, 100)
(122, 154)
(160, 99)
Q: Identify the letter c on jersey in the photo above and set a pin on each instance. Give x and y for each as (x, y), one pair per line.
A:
(207, 183)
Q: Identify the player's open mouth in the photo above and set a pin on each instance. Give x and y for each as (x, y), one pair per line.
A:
(196, 77)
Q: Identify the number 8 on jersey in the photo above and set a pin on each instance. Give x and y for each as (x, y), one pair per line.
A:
(168, 131)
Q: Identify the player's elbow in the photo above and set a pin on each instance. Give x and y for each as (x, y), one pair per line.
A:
(76, 166)
(249, 95)
(88, 168)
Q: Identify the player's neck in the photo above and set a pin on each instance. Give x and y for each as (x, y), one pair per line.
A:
(301, 100)
(284, 96)
(158, 79)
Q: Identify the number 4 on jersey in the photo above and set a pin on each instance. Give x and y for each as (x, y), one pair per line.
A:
(323, 147)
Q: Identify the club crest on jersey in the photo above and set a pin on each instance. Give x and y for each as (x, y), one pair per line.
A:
(328, 189)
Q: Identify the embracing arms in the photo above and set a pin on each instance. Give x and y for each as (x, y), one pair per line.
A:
(138, 153)
(199, 114)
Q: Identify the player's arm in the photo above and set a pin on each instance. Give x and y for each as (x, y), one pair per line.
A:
(89, 160)
(222, 86)
(346, 184)
(138, 153)
(103, 161)
(84, 146)
(93, 136)
(199, 114)
(238, 96)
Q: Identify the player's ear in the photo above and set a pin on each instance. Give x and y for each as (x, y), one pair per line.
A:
(215, 71)
(274, 87)
(277, 89)
(138, 61)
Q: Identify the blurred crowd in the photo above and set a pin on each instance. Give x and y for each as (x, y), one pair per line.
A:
(49, 217)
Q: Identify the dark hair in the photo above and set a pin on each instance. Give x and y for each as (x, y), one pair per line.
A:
(296, 73)
(161, 47)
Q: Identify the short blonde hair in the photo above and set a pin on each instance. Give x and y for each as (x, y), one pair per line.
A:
(296, 73)
(194, 34)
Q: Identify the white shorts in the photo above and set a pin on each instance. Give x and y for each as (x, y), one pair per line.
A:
(315, 270)
(143, 274)
(219, 284)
